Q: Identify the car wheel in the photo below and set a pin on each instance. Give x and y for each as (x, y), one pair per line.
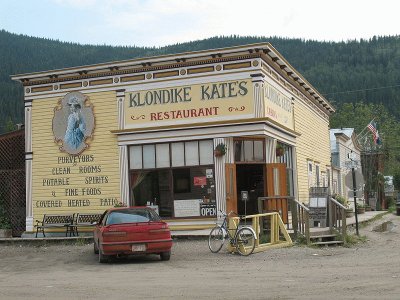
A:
(95, 248)
(165, 255)
(102, 258)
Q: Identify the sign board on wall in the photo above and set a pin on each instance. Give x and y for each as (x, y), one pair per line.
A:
(63, 182)
(278, 106)
(189, 104)
(187, 208)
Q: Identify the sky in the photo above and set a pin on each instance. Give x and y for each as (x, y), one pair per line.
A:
(166, 22)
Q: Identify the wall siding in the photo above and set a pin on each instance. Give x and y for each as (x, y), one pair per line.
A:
(103, 151)
(312, 145)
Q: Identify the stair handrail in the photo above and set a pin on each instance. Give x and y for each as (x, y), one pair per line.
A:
(337, 217)
(301, 220)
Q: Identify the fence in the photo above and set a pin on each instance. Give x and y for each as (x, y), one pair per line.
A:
(12, 180)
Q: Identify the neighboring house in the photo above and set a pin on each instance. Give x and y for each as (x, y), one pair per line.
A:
(344, 149)
(389, 186)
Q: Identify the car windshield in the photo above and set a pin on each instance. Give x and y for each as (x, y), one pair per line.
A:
(131, 216)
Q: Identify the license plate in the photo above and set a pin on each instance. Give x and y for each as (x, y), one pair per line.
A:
(139, 248)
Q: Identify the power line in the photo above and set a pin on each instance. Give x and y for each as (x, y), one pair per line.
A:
(363, 90)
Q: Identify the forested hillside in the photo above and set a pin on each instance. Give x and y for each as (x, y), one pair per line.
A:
(347, 72)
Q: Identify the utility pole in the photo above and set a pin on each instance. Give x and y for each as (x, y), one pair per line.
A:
(353, 164)
(353, 173)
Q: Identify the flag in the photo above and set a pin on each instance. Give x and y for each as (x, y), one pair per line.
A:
(373, 127)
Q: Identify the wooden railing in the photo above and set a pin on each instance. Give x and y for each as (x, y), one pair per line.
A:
(279, 204)
(300, 220)
(337, 217)
(295, 215)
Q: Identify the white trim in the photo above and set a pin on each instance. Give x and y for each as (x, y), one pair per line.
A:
(28, 196)
(220, 188)
(124, 174)
(150, 137)
(120, 109)
(29, 224)
(160, 84)
(28, 129)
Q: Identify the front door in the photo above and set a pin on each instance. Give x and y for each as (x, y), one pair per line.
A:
(276, 181)
(249, 178)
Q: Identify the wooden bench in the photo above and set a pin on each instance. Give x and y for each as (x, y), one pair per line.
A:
(83, 220)
(55, 221)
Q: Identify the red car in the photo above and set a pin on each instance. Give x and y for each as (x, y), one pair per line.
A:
(131, 231)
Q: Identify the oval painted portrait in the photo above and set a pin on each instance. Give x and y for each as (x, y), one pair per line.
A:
(73, 123)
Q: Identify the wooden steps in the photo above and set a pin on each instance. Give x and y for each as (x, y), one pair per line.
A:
(325, 240)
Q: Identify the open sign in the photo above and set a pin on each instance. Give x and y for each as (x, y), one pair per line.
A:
(207, 210)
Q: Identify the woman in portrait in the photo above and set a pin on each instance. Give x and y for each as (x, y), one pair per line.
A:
(75, 124)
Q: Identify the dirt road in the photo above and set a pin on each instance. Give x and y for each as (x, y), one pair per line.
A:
(370, 270)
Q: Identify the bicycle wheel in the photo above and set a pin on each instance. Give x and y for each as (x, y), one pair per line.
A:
(245, 241)
(216, 239)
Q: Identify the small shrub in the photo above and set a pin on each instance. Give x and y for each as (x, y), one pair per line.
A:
(4, 220)
(342, 200)
(353, 239)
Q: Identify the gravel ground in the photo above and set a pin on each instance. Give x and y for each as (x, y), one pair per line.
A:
(368, 270)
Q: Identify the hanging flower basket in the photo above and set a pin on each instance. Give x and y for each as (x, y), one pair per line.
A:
(220, 150)
(280, 150)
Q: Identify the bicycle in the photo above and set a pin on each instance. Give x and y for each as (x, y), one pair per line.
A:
(243, 238)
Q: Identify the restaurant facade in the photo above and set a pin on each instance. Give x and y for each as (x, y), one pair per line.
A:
(188, 134)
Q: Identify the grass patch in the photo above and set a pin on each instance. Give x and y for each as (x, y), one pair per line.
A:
(353, 239)
(82, 241)
(300, 240)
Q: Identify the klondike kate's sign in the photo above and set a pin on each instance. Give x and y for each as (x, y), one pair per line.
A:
(189, 104)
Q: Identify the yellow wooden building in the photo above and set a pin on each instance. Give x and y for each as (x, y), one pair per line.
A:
(184, 133)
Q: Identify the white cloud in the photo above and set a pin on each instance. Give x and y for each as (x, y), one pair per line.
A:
(163, 22)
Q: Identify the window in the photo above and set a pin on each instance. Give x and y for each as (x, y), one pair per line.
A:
(166, 155)
(191, 153)
(206, 152)
(181, 181)
(163, 173)
(249, 150)
(178, 154)
(162, 156)
(317, 175)
(310, 174)
(149, 157)
(135, 157)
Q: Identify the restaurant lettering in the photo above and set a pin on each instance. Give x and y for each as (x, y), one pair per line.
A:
(213, 91)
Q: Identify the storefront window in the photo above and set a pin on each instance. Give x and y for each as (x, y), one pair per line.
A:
(181, 181)
(177, 179)
(178, 154)
(149, 157)
(206, 152)
(191, 153)
(162, 156)
(136, 157)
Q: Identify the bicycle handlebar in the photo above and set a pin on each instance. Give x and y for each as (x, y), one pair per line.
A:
(227, 215)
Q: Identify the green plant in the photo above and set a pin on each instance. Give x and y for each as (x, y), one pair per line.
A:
(264, 238)
(342, 200)
(220, 149)
(280, 149)
(390, 201)
(4, 219)
(352, 239)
